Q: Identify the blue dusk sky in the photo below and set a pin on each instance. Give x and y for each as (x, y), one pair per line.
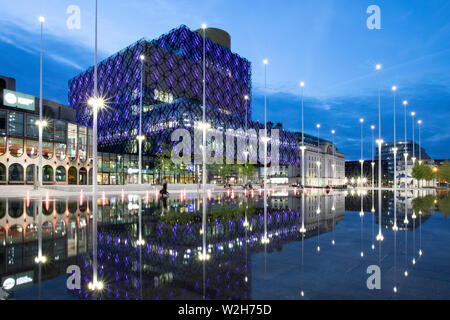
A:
(324, 43)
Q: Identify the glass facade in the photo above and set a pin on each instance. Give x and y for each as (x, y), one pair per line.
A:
(31, 127)
(15, 124)
(72, 141)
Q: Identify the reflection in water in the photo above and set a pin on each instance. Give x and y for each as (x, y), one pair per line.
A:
(141, 249)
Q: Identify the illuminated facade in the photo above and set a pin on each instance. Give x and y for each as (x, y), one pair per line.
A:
(172, 98)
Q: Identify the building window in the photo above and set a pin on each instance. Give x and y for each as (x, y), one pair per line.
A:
(60, 131)
(15, 124)
(60, 151)
(72, 175)
(83, 176)
(47, 173)
(47, 150)
(49, 131)
(72, 141)
(32, 148)
(30, 172)
(2, 145)
(82, 143)
(15, 147)
(31, 128)
(15, 172)
(90, 143)
(60, 174)
(3, 122)
(2, 172)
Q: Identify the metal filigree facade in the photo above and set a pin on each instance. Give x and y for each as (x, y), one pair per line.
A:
(172, 93)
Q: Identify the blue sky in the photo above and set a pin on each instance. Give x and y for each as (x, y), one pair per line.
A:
(324, 43)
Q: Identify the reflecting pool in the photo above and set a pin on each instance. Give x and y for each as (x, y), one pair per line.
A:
(127, 246)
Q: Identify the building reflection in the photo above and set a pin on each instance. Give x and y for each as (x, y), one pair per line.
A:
(166, 265)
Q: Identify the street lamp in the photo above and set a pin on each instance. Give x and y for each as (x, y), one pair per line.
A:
(318, 155)
(302, 85)
(246, 153)
(303, 230)
(413, 114)
(420, 142)
(380, 142)
(405, 154)
(362, 155)
(372, 127)
(265, 62)
(140, 137)
(334, 158)
(394, 150)
(204, 141)
(39, 171)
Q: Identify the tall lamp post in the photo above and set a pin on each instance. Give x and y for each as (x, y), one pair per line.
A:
(405, 154)
(413, 114)
(380, 142)
(140, 137)
(246, 152)
(395, 149)
(334, 160)
(41, 122)
(265, 239)
(204, 143)
(302, 85)
(318, 155)
(362, 154)
(303, 230)
(372, 127)
(420, 142)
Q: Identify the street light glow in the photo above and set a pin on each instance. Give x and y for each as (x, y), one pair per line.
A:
(333, 131)
(318, 126)
(405, 102)
(413, 113)
(302, 84)
(361, 120)
(41, 19)
(372, 127)
(419, 122)
(378, 66)
(394, 88)
(265, 61)
(204, 26)
(142, 57)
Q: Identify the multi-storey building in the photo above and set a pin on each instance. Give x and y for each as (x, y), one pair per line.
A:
(172, 99)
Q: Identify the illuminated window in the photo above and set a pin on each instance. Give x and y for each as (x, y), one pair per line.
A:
(47, 173)
(32, 128)
(72, 141)
(2, 145)
(15, 147)
(60, 151)
(32, 148)
(15, 123)
(47, 150)
(82, 143)
(60, 175)
(60, 131)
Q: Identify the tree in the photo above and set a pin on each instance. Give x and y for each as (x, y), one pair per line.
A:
(248, 170)
(422, 204)
(444, 206)
(422, 171)
(164, 161)
(444, 172)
